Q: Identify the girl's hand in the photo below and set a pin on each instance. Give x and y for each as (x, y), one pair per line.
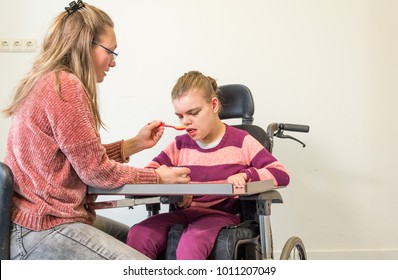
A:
(238, 180)
(186, 201)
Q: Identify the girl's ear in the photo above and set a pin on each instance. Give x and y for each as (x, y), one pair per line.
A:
(215, 104)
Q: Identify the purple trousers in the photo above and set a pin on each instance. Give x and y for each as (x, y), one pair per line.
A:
(203, 225)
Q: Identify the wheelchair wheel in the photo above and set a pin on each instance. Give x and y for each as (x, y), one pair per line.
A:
(294, 249)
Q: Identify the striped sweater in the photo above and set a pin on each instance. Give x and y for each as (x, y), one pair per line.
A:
(55, 151)
(237, 152)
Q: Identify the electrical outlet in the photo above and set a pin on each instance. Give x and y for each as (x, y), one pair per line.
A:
(5, 45)
(17, 45)
(30, 45)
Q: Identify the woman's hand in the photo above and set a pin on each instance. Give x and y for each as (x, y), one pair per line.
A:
(238, 180)
(173, 175)
(146, 138)
(150, 134)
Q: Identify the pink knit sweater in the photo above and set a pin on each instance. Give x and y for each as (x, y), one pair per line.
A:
(55, 152)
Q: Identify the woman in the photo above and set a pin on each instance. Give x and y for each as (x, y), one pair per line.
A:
(54, 147)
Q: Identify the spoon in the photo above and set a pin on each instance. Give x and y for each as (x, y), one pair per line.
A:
(178, 127)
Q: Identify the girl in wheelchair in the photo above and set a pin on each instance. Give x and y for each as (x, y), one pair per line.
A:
(215, 153)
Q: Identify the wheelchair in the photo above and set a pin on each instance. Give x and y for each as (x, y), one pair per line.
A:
(250, 240)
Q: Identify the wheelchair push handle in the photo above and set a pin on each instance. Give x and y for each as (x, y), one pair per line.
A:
(277, 130)
(294, 127)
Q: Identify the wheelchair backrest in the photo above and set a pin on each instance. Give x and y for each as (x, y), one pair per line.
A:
(237, 103)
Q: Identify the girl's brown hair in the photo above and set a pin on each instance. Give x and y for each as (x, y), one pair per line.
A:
(192, 80)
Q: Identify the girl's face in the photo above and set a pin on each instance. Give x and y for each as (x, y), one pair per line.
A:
(199, 116)
(101, 53)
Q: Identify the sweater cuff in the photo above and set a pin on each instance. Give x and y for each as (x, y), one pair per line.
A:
(123, 157)
(147, 176)
(248, 174)
(115, 151)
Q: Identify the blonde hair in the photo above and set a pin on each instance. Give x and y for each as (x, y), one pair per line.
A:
(196, 80)
(67, 47)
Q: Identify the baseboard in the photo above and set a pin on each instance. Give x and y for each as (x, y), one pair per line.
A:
(353, 255)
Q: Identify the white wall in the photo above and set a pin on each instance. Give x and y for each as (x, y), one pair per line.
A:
(331, 64)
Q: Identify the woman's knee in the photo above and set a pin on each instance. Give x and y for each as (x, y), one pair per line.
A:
(112, 227)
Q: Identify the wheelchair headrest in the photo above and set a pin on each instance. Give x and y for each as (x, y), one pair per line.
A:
(237, 102)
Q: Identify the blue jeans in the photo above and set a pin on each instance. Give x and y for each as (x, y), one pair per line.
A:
(74, 241)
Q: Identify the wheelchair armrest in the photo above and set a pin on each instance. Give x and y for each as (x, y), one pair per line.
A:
(170, 199)
(262, 203)
(274, 196)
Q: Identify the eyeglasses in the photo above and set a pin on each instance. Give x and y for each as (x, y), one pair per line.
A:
(108, 50)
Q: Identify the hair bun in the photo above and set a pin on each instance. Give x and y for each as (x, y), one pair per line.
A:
(213, 83)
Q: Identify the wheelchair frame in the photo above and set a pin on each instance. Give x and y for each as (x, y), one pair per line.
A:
(294, 246)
